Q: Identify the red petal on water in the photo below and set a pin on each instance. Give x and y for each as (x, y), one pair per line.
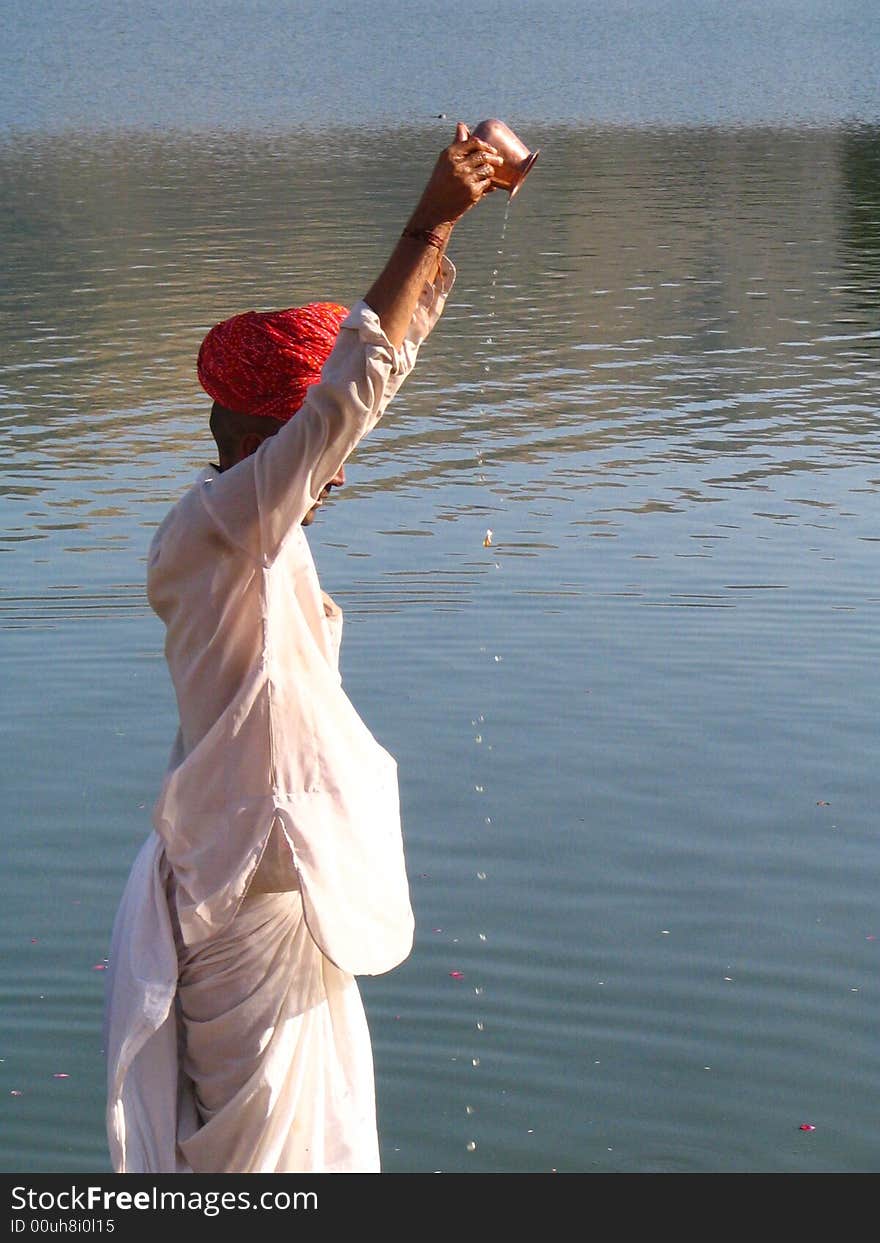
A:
(34, 941)
(457, 975)
(806, 1126)
(436, 929)
(15, 1092)
(822, 803)
(60, 1074)
(870, 937)
(100, 966)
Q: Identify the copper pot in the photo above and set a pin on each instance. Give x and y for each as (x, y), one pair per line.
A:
(518, 160)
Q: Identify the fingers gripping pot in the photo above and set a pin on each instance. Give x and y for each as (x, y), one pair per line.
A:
(518, 159)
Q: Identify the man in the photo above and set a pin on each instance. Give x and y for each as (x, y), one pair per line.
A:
(235, 1035)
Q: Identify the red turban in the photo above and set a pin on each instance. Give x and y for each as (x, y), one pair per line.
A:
(262, 362)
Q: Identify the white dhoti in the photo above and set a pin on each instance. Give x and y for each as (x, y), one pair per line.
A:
(277, 1047)
(257, 1059)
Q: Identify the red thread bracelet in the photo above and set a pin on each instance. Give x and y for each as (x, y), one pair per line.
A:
(426, 235)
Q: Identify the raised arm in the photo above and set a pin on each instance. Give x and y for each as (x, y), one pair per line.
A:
(279, 470)
(460, 178)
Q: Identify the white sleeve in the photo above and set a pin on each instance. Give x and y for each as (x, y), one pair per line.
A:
(257, 502)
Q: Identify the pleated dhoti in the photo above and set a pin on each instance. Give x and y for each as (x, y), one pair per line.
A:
(276, 1044)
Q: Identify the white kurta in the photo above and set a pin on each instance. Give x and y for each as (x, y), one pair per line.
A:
(235, 1036)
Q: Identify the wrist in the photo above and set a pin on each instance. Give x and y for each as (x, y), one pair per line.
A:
(427, 237)
(425, 219)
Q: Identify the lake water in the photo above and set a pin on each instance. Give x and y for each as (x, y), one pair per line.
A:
(637, 733)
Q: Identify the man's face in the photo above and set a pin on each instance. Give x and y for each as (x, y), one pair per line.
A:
(336, 482)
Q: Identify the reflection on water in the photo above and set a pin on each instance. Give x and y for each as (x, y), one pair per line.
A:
(636, 733)
(696, 295)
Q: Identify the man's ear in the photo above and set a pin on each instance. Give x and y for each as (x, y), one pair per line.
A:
(249, 444)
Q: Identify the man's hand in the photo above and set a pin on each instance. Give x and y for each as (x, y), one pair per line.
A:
(462, 175)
